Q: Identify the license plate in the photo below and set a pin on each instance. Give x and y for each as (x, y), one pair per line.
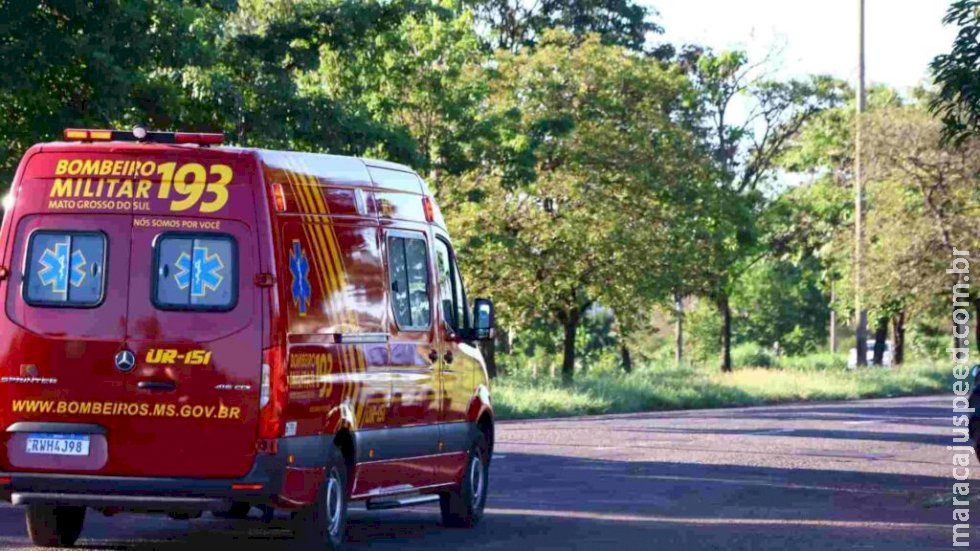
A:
(58, 444)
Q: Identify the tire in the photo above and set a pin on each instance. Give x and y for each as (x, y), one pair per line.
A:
(322, 526)
(463, 506)
(50, 526)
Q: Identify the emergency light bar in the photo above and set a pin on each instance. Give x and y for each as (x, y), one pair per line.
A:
(140, 134)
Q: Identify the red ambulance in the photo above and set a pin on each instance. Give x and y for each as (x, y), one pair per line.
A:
(190, 327)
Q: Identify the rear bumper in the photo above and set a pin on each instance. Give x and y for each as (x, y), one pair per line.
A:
(123, 502)
(262, 485)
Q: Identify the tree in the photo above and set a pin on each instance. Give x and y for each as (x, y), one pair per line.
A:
(78, 63)
(747, 155)
(513, 24)
(781, 300)
(421, 76)
(932, 189)
(921, 196)
(247, 69)
(824, 151)
(263, 87)
(957, 74)
(572, 200)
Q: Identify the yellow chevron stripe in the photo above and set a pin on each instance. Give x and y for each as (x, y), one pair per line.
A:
(337, 280)
(327, 283)
(360, 367)
(336, 256)
(344, 313)
(291, 178)
(310, 190)
(333, 246)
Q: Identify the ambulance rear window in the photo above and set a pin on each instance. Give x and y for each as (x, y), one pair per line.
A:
(65, 269)
(195, 272)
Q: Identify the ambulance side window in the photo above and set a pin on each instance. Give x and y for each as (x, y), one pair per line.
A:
(409, 279)
(452, 297)
(195, 272)
(65, 269)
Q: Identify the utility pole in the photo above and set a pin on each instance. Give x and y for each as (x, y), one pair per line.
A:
(861, 334)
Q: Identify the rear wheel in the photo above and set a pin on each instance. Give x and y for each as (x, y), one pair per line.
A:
(323, 524)
(463, 506)
(50, 526)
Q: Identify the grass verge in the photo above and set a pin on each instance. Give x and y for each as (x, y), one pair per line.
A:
(653, 389)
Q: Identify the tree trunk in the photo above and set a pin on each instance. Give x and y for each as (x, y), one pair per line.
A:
(726, 333)
(881, 333)
(570, 324)
(678, 329)
(624, 352)
(861, 336)
(489, 349)
(898, 339)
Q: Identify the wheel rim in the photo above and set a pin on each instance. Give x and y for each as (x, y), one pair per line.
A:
(334, 503)
(477, 482)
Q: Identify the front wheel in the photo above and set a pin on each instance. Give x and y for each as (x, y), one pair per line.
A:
(322, 525)
(463, 506)
(50, 526)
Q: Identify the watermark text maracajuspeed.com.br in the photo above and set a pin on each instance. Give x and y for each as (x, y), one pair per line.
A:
(961, 448)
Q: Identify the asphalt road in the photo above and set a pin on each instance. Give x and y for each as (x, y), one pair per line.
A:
(855, 475)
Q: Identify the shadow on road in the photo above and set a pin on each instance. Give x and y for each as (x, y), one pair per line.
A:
(559, 502)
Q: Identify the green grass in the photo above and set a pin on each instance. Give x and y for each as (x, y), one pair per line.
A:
(819, 377)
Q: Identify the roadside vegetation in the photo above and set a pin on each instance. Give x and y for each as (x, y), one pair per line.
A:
(667, 387)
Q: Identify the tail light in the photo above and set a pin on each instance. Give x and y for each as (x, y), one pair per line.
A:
(272, 393)
(265, 392)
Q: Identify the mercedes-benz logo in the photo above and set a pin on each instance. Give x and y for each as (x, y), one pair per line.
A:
(125, 361)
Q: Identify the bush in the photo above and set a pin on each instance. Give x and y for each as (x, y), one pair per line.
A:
(702, 333)
(660, 387)
(817, 361)
(752, 355)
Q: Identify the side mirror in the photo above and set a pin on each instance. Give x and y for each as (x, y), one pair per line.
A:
(483, 319)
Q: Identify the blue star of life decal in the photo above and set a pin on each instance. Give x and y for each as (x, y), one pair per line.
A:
(199, 270)
(60, 269)
(299, 267)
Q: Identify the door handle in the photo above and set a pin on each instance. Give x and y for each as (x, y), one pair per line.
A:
(433, 355)
(157, 385)
(448, 357)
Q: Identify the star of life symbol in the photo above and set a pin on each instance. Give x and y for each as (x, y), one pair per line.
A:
(299, 267)
(59, 269)
(199, 270)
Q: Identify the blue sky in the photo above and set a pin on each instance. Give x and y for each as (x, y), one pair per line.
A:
(817, 37)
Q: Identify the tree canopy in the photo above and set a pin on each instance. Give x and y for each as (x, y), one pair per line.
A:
(957, 74)
(573, 200)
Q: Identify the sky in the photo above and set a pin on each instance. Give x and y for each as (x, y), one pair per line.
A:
(902, 36)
